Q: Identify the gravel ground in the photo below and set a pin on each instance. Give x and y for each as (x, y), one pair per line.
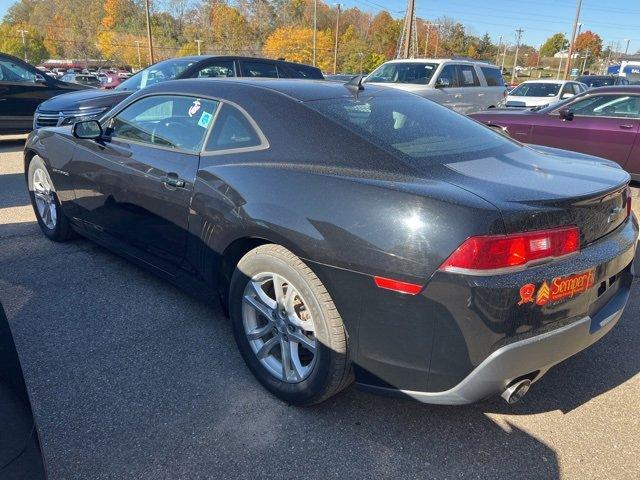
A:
(133, 378)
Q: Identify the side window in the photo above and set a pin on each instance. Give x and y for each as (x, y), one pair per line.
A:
(217, 69)
(448, 76)
(232, 130)
(577, 88)
(493, 77)
(627, 106)
(259, 69)
(568, 88)
(468, 76)
(165, 121)
(12, 72)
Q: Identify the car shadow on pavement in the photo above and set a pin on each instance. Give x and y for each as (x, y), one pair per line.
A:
(11, 145)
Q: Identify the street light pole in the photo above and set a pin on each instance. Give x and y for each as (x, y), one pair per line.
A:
(335, 50)
(626, 50)
(567, 67)
(198, 41)
(584, 64)
(504, 56)
(150, 41)
(498, 49)
(24, 42)
(315, 29)
(515, 59)
(435, 53)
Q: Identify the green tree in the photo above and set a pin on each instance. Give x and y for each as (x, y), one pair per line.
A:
(554, 44)
(11, 43)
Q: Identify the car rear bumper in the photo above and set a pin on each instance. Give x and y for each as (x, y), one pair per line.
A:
(527, 358)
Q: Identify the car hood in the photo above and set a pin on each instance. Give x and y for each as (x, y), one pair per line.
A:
(88, 98)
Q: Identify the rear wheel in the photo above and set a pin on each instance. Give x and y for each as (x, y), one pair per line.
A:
(53, 223)
(287, 327)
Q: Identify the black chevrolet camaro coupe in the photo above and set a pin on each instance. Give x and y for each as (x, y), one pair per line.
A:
(351, 232)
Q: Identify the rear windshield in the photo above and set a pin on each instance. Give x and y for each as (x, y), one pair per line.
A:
(536, 90)
(414, 127)
(418, 73)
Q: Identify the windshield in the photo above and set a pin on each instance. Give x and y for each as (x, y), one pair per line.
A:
(414, 127)
(418, 73)
(536, 90)
(160, 72)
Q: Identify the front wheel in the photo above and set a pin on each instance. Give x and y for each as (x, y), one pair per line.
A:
(53, 223)
(287, 328)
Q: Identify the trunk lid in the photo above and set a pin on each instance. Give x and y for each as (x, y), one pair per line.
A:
(536, 191)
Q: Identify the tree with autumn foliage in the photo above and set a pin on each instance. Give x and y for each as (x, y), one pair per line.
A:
(296, 45)
(589, 41)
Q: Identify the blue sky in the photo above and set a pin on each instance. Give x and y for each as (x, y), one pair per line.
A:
(538, 18)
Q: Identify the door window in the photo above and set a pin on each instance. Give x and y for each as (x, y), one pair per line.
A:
(232, 130)
(468, 76)
(493, 76)
(260, 69)
(165, 121)
(217, 69)
(12, 72)
(627, 106)
(448, 76)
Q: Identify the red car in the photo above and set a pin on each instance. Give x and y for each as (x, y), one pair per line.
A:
(603, 122)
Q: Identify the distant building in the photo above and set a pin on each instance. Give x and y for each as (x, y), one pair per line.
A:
(565, 54)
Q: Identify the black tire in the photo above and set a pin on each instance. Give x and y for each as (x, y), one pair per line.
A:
(61, 230)
(331, 371)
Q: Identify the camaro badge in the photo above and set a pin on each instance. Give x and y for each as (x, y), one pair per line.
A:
(557, 289)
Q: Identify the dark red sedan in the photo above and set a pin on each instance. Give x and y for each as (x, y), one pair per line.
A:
(603, 121)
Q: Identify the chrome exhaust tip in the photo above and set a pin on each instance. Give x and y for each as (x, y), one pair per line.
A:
(516, 391)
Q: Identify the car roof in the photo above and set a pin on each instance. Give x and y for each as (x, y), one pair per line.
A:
(442, 60)
(296, 88)
(634, 89)
(546, 80)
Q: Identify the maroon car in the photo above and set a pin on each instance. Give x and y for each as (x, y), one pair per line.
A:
(603, 122)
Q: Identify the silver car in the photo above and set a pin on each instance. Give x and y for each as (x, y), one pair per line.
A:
(465, 86)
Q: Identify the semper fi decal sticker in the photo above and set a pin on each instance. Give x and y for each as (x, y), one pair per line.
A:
(557, 289)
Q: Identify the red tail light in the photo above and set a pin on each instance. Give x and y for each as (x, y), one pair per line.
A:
(397, 285)
(493, 254)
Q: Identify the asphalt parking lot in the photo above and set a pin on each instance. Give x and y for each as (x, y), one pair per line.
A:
(131, 377)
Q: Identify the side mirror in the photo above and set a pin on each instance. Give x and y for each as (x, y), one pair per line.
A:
(566, 114)
(88, 129)
(442, 83)
(40, 78)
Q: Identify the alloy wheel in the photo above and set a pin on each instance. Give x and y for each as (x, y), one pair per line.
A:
(279, 327)
(45, 199)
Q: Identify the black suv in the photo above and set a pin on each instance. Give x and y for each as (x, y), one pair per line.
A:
(595, 81)
(22, 88)
(66, 109)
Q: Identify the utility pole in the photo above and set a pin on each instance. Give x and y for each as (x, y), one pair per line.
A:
(198, 41)
(504, 56)
(315, 28)
(408, 33)
(335, 51)
(146, 7)
(567, 68)
(360, 56)
(584, 64)
(519, 32)
(498, 49)
(626, 50)
(24, 42)
(435, 53)
(139, 58)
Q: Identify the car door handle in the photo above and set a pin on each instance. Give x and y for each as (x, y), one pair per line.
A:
(626, 126)
(457, 95)
(481, 94)
(172, 180)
